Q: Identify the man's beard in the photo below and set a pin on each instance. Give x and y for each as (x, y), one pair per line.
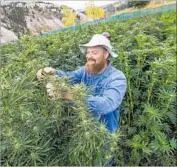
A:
(94, 68)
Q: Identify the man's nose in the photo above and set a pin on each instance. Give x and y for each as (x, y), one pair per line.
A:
(88, 56)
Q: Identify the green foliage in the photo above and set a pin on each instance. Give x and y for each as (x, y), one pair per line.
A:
(40, 131)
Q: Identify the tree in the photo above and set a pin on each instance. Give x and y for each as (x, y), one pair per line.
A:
(138, 4)
(69, 18)
(94, 12)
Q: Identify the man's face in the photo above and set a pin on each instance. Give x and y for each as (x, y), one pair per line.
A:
(96, 59)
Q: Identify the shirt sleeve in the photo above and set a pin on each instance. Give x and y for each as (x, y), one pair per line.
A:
(110, 99)
(74, 76)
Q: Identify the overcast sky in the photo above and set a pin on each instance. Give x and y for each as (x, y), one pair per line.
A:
(76, 4)
(81, 4)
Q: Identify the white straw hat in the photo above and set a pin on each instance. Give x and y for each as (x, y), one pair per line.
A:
(98, 40)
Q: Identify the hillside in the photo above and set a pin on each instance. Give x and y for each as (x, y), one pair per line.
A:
(19, 18)
(34, 18)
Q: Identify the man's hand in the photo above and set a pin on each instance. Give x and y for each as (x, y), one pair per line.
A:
(52, 94)
(50, 90)
(45, 71)
(67, 96)
(48, 71)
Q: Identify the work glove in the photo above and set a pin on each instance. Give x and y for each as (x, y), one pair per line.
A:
(67, 96)
(45, 71)
(50, 90)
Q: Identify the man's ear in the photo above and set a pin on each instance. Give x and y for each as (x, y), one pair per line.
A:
(106, 54)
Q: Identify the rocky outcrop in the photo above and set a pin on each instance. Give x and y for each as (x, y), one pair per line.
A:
(33, 18)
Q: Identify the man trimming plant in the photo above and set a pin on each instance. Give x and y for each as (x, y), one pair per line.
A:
(108, 84)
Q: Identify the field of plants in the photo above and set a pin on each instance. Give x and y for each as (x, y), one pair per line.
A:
(38, 131)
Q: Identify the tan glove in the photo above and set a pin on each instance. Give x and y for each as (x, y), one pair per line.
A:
(45, 71)
(68, 97)
(50, 90)
(48, 71)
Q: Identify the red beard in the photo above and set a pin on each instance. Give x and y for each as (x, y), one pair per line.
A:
(94, 68)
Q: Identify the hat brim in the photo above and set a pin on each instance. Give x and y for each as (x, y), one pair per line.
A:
(84, 47)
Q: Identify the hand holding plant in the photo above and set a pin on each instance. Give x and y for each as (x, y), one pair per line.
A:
(45, 71)
(50, 90)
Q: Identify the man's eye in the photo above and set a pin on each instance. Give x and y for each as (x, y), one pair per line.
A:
(95, 53)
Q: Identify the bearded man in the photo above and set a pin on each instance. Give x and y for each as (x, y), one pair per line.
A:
(108, 83)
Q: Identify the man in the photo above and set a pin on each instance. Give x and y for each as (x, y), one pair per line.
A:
(108, 84)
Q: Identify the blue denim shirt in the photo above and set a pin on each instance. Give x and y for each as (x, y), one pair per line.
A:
(108, 89)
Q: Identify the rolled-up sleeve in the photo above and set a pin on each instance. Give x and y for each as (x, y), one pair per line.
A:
(74, 76)
(110, 99)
